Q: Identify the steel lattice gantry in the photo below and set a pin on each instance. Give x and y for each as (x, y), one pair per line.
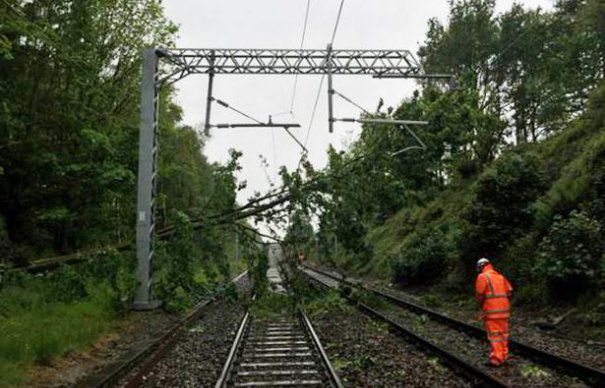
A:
(179, 63)
(265, 61)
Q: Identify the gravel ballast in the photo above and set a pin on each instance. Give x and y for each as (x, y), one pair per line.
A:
(519, 372)
(366, 354)
(522, 330)
(198, 357)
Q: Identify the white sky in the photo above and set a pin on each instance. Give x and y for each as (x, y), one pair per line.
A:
(364, 24)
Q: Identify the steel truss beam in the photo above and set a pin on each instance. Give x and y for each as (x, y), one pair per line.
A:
(378, 63)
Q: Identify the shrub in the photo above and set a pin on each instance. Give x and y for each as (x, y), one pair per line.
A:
(571, 255)
(258, 264)
(502, 206)
(423, 258)
(175, 263)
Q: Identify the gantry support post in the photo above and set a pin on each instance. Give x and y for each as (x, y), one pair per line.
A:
(209, 98)
(330, 90)
(144, 298)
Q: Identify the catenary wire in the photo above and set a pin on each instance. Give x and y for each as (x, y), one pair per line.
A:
(302, 41)
(342, 2)
(224, 104)
(336, 24)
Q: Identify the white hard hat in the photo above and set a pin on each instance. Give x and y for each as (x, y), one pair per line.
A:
(482, 262)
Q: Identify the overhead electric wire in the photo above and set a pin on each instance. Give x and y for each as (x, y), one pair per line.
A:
(406, 127)
(351, 102)
(293, 98)
(321, 81)
(223, 103)
(342, 2)
(302, 41)
(282, 114)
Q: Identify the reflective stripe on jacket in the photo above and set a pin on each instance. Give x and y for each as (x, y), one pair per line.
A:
(493, 292)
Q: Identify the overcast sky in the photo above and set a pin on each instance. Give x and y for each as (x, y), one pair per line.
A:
(365, 24)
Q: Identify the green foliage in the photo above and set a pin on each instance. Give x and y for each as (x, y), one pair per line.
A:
(300, 237)
(273, 304)
(258, 264)
(506, 211)
(424, 257)
(571, 254)
(72, 283)
(176, 267)
(580, 157)
(514, 143)
(502, 206)
(539, 85)
(68, 127)
(368, 298)
(326, 303)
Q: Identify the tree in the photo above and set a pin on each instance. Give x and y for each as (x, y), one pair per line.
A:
(69, 95)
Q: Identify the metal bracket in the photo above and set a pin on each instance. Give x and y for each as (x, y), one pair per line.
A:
(382, 121)
(330, 90)
(209, 98)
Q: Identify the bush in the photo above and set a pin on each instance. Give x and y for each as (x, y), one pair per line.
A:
(571, 255)
(423, 258)
(502, 207)
(176, 263)
(258, 264)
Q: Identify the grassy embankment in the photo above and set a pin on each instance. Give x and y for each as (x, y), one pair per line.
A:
(45, 318)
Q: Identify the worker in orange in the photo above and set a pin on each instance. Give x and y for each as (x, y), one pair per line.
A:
(493, 291)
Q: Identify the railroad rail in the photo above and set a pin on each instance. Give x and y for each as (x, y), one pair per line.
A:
(147, 356)
(280, 351)
(476, 376)
(586, 373)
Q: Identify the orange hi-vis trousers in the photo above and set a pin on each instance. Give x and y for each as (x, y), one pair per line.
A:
(497, 334)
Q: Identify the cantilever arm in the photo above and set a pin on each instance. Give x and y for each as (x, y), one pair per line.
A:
(259, 125)
(382, 121)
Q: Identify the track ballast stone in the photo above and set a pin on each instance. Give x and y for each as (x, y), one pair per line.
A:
(197, 359)
(366, 354)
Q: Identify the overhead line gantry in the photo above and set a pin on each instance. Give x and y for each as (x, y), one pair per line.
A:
(180, 63)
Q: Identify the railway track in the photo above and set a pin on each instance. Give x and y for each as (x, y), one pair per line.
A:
(567, 372)
(144, 358)
(277, 352)
(281, 350)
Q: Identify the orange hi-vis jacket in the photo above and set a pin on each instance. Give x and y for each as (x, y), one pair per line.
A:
(493, 291)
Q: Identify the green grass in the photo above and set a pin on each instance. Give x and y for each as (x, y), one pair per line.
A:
(45, 332)
(37, 326)
(388, 239)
